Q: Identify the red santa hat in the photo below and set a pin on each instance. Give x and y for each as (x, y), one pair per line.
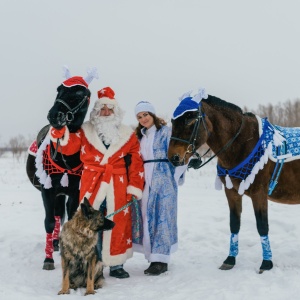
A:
(106, 96)
(75, 80)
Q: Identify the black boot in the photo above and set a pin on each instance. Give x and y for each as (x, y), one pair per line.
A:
(119, 273)
(156, 268)
(151, 265)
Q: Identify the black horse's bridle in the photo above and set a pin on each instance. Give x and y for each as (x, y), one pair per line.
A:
(201, 117)
(68, 117)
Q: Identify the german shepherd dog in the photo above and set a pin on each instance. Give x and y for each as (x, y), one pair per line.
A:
(80, 261)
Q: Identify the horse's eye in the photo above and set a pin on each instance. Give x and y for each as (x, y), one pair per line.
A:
(190, 122)
(79, 94)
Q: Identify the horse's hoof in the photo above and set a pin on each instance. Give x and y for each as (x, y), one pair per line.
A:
(48, 264)
(228, 263)
(265, 266)
(226, 267)
(56, 245)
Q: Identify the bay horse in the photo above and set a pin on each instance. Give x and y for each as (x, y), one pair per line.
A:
(250, 160)
(58, 176)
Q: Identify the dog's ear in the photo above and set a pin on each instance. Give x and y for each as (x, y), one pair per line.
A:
(86, 202)
(86, 208)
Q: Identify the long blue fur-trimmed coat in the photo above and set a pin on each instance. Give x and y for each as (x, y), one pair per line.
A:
(159, 236)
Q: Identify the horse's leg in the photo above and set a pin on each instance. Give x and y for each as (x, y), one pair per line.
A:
(48, 196)
(235, 208)
(73, 200)
(260, 205)
(55, 236)
(59, 219)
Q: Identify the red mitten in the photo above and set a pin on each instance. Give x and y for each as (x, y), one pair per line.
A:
(58, 133)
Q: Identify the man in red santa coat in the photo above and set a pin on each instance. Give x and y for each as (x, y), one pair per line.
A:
(104, 142)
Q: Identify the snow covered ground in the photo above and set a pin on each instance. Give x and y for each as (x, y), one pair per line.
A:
(193, 274)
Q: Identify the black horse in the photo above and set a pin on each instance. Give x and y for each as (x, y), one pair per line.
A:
(58, 176)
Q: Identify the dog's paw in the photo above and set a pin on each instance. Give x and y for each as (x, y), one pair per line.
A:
(63, 292)
(90, 292)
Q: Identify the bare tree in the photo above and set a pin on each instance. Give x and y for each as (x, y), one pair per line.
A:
(286, 114)
(17, 145)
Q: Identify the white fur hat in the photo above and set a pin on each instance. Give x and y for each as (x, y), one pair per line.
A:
(144, 106)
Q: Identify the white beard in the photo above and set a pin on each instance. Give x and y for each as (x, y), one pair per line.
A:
(107, 128)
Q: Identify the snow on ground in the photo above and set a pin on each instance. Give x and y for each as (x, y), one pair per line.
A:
(203, 222)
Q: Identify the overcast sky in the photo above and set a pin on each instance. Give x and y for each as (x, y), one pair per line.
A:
(245, 52)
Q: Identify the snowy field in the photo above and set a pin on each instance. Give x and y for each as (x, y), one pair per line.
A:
(193, 274)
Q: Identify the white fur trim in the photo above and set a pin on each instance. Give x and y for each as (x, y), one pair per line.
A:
(138, 193)
(93, 138)
(106, 100)
(115, 259)
(40, 173)
(105, 191)
(144, 106)
(64, 140)
(43, 177)
(259, 125)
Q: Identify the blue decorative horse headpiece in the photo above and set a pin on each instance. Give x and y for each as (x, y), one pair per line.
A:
(189, 103)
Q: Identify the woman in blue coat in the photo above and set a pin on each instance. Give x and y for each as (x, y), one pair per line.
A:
(159, 201)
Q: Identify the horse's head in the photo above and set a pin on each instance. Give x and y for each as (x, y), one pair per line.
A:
(72, 101)
(70, 107)
(189, 132)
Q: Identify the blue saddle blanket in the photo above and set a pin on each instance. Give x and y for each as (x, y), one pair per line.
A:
(275, 143)
(291, 137)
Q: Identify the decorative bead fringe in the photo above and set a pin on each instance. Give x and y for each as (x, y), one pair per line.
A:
(218, 183)
(64, 180)
(244, 185)
(48, 183)
(229, 184)
(242, 188)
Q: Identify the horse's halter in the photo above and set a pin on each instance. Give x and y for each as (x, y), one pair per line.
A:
(66, 120)
(191, 142)
(68, 117)
(193, 138)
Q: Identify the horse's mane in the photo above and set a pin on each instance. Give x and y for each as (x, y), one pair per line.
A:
(250, 114)
(218, 103)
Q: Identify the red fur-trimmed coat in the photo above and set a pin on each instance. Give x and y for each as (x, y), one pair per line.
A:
(104, 177)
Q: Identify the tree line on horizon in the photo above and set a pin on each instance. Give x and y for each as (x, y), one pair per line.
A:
(286, 114)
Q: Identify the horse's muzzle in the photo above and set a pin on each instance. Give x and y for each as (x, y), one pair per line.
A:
(176, 161)
(57, 120)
